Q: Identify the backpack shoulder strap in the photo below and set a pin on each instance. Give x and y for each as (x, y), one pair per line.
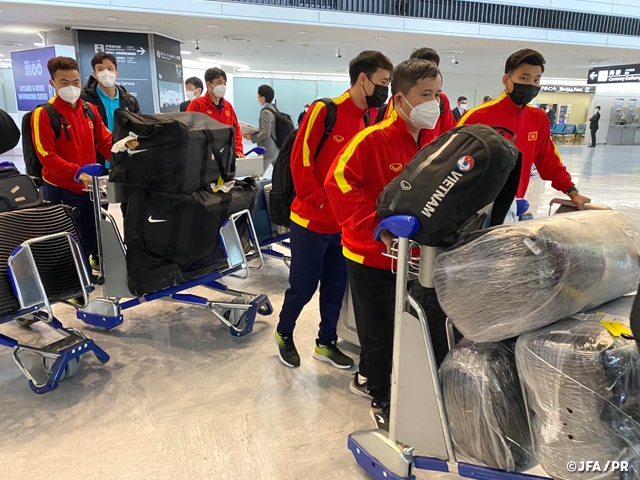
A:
(55, 118)
(329, 122)
(89, 113)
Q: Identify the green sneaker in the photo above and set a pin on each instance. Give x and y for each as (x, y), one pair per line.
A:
(332, 354)
(286, 350)
(94, 263)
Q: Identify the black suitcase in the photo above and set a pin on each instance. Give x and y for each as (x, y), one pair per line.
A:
(17, 191)
(175, 152)
(174, 238)
(53, 257)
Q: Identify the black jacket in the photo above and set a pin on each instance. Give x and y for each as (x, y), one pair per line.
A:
(89, 94)
(9, 133)
(457, 113)
(184, 105)
(595, 118)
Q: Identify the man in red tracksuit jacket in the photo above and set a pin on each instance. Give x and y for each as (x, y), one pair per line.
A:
(357, 177)
(76, 146)
(315, 234)
(446, 121)
(523, 71)
(215, 105)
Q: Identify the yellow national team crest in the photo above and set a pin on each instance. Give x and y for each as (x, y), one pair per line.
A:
(533, 136)
(395, 167)
(338, 138)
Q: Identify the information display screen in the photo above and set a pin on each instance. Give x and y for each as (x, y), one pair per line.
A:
(31, 77)
(169, 70)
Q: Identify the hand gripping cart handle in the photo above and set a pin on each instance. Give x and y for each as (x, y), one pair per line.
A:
(418, 421)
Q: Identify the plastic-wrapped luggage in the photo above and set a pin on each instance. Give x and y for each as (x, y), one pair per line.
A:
(583, 391)
(173, 238)
(485, 407)
(53, 257)
(513, 279)
(173, 152)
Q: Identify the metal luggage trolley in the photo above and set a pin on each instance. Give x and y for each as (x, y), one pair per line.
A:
(419, 435)
(238, 314)
(58, 359)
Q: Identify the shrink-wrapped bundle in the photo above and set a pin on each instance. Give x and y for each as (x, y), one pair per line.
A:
(485, 407)
(582, 387)
(516, 278)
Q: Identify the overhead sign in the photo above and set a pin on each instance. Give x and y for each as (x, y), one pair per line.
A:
(31, 77)
(567, 89)
(619, 74)
(169, 71)
(132, 54)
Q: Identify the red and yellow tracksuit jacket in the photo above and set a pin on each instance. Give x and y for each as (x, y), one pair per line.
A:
(532, 128)
(358, 175)
(223, 113)
(310, 208)
(61, 158)
(446, 121)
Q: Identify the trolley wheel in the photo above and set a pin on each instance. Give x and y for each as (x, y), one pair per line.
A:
(26, 321)
(235, 317)
(69, 371)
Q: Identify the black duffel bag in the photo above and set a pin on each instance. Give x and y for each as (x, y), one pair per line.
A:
(174, 152)
(17, 191)
(449, 182)
(174, 238)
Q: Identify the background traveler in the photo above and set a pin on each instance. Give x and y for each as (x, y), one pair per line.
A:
(594, 121)
(460, 109)
(267, 134)
(193, 88)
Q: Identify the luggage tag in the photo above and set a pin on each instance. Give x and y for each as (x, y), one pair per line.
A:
(615, 327)
(127, 144)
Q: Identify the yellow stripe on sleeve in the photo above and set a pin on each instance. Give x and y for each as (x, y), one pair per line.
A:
(297, 219)
(36, 132)
(352, 256)
(348, 153)
(306, 153)
(479, 107)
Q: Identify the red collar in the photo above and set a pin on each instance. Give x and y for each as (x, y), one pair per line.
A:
(505, 102)
(63, 106)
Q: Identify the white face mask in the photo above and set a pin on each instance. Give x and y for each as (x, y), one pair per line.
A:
(219, 91)
(463, 107)
(107, 78)
(424, 115)
(191, 95)
(69, 94)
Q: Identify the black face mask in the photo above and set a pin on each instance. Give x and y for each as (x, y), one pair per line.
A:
(522, 94)
(379, 97)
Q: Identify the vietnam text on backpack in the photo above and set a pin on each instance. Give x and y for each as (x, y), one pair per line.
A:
(282, 189)
(451, 181)
(31, 160)
(284, 126)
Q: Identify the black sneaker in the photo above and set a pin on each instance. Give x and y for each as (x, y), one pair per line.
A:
(358, 386)
(332, 354)
(287, 350)
(380, 415)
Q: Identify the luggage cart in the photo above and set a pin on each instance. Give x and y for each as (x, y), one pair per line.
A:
(58, 360)
(268, 233)
(238, 314)
(419, 435)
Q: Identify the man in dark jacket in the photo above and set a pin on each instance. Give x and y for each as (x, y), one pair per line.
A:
(194, 87)
(594, 121)
(102, 91)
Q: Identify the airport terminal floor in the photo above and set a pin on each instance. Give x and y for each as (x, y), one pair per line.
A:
(182, 399)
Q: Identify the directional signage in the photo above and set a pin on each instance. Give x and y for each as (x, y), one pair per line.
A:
(31, 77)
(132, 54)
(619, 74)
(567, 89)
(169, 70)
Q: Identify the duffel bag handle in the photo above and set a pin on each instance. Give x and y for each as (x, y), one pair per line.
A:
(503, 130)
(216, 153)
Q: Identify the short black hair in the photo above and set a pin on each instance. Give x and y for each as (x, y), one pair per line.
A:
(61, 63)
(195, 81)
(461, 99)
(213, 73)
(486, 98)
(368, 62)
(598, 107)
(428, 54)
(526, 56)
(100, 57)
(408, 73)
(267, 92)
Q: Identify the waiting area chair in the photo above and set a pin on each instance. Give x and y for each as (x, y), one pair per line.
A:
(557, 130)
(569, 129)
(581, 131)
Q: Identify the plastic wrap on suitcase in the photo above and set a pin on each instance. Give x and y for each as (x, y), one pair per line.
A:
(17, 191)
(485, 406)
(583, 391)
(53, 258)
(261, 218)
(172, 238)
(174, 152)
(516, 278)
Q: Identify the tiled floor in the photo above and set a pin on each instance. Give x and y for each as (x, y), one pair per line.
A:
(182, 399)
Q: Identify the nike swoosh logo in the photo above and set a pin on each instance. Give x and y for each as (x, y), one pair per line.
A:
(133, 152)
(153, 220)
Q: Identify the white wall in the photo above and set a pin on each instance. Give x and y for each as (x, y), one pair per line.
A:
(604, 97)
